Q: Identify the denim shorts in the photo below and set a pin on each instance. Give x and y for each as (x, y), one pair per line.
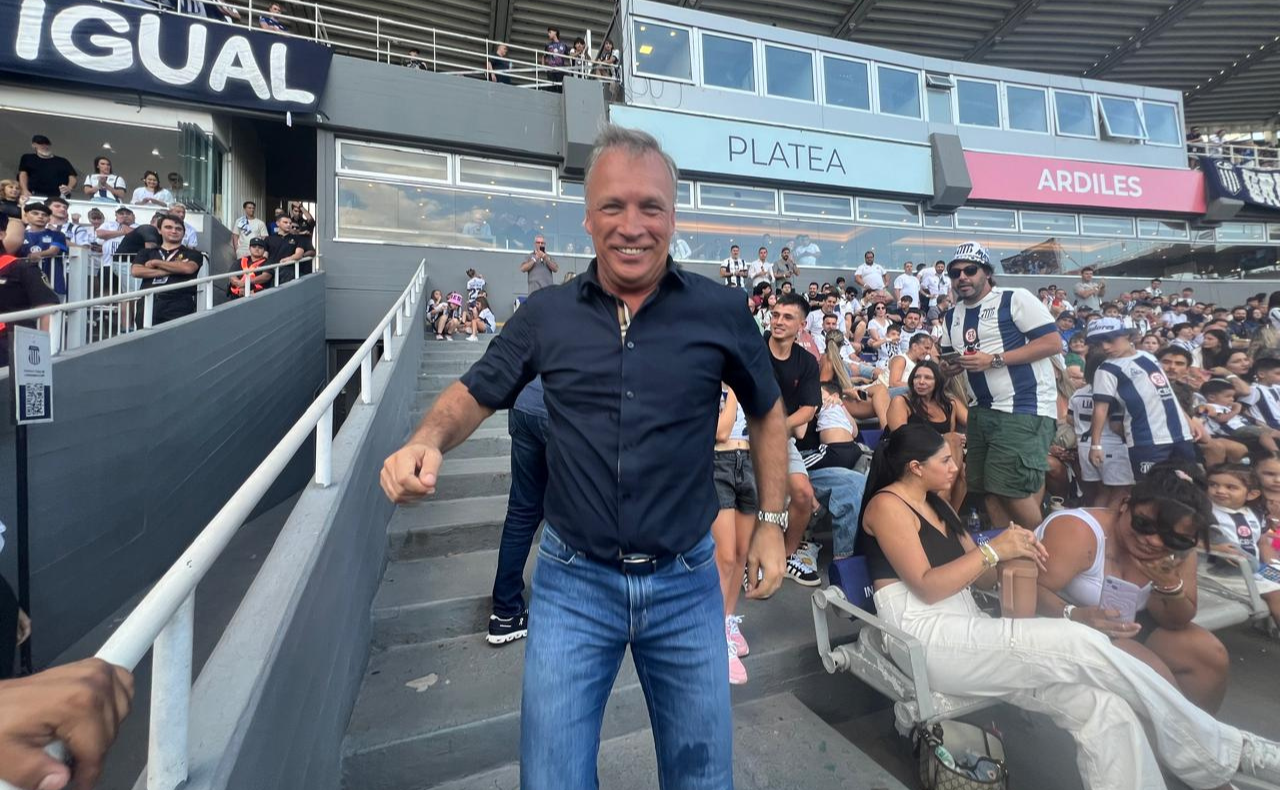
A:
(736, 481)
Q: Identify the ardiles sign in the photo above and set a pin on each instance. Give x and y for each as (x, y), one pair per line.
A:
(186, 57)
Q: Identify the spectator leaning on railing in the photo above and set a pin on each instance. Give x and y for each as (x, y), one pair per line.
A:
(43, 243)
(104, 186)
(170, 263)
(43, 174)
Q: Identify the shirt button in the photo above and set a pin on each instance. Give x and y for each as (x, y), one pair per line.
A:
(631, 344)
(630, 395)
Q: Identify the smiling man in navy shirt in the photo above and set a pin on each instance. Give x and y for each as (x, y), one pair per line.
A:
(631, 354)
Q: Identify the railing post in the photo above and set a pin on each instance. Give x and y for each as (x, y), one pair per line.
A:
(324, 448)
(78, 290)
(297, 269)
(171, 700)
(148, 310)
(377, 39)
(366, 378)
(387, 355)
(55, 333)
(399, 322)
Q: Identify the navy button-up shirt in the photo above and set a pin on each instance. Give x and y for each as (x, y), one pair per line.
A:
(632, 420)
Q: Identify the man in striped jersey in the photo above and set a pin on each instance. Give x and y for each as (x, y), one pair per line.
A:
(1003, 339)
(1155, 427)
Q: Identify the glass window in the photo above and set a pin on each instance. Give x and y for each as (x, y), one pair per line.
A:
(737, 198)
(1162, 124)
(1027, 110)
(978, 102)
(817, 205)
(506, 175)
(1121, 118)
(385, 161)
(1242, 231)
(728, 63)
(572, 189)
(848, 83)
(1046, 222)
(939, 105)
(684, 193)
(662, 51)
(899, 91)
(888, 211)
(1075, 114)
(788, 73)
(997, 219)
(1162, 229)
(1273, 232)
(1106, 226)
(938, 220)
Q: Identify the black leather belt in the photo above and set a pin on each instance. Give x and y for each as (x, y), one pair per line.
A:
(641, 564)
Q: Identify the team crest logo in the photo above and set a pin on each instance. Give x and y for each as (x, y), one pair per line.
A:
(971, 336)
(1244, 531)
(1228, 177)
(1159, 379)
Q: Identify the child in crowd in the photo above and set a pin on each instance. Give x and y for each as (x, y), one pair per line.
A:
(836, 432)
(736, 489)
(1110, 482)
(1268, 470)
(475, 286)
(1238, 532)
(1264, 399)
(450, 317)
(1225, 417)
(481, 320)
(891, 347)
(1077, 350)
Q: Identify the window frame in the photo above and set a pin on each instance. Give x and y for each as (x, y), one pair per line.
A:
(1023, 229)
(449, 165)
(553, 194)
(1093, 114)
(1240, 239)
(692, 197)
(733, 210)
(782, 200)
(1177, 122)
(764, 72)
(1016, 222)
(857, 213)
(950, 223)
(1186, 229)
(694, 55)
(756, 65)
(919, 91)
(871, 82)
(1133, 227)
(1044, 101)
(1105, 124)
(955, 102)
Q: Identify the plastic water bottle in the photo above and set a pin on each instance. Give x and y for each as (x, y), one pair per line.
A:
(975, 523)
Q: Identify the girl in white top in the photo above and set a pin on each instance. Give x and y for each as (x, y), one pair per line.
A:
(1148, 540)
(878, 325)
(150, 193)
(482, 320)
(103, 186)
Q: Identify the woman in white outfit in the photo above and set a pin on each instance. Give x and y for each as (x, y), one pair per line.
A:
(922, 564)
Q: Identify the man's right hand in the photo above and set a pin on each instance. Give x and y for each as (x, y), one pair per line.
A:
(410, 472)
(81, 704)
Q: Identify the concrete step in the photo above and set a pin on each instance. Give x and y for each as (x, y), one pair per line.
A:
(455, 365)
(777, 743)
(463, 478)
(435, 382)
(437, 598)
(434, 527)
(492, 445)
(467, 722)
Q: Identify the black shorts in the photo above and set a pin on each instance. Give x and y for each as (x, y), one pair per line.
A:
(736, 481)
(838, 455)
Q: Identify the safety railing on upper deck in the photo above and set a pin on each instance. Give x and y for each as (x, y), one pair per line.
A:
(359, 33)
(106, 300)
(164, 621)
(1245, 154)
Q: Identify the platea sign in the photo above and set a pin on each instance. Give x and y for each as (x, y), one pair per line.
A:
(192, 58)
(792, 156)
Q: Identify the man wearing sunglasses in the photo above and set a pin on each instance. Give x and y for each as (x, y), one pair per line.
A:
(1002, 338)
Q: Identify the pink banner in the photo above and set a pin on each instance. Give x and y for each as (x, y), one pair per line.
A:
(1064, 182)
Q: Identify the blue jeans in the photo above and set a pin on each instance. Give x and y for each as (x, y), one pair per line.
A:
(846, 487)
(583, 617)
(524, 509)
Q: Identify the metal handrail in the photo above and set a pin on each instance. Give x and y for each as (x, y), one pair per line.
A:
(1246, 154)
(164, 622)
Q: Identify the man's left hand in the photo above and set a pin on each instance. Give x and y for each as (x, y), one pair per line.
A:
(976, 362)
(766, 556)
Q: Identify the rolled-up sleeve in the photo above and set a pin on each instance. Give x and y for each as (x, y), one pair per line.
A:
(748, 369)
(508, 364)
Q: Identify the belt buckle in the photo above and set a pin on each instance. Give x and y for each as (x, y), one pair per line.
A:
(638, 564)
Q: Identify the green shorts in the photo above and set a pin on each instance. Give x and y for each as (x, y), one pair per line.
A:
(1008, 454)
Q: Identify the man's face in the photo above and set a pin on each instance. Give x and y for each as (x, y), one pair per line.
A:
(763, 253)
(830, 322)
(540, 244)
(43, 149)
(869, 258)
(630, 216)
(172, 231)
(1238, 314)
(178, 210)
(250, 210)
(968, 279)
(1086, 275)
(939, 267)
(37, 219)
(734, 252)
(59, 211)
(1066, 321)
(124, 217)
(1175, 366)
(786, 254)
(908, 268)
(829, 304)
(257, 252)
(1155, 284)
(284, 226)
(911, 321)
(813, 289)
(553, 35)
(784, 322)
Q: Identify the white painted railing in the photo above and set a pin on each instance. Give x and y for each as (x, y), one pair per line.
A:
(164, 621)
(114, 297)
(1241, 153)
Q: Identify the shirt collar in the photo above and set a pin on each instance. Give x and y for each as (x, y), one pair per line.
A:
(676, 277)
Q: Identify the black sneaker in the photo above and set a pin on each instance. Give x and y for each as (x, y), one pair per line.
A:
(799, 569)
(507, 629)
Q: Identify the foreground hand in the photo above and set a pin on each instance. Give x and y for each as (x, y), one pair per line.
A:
(1105, 621)
(1096, 457)
(81, 704)
(767, 553)
(1163, 572)
(1018, 543)
(410, 473)
(976, 362)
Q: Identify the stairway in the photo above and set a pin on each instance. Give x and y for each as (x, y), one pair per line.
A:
(440, 708)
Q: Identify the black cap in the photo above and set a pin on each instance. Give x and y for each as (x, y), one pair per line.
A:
(40, 139)
(37, 207)
(258, 242)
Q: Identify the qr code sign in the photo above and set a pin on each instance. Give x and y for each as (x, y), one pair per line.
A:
(33, 402)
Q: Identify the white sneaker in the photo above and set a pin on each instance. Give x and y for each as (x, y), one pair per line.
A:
(473, 339)
(1260, 758)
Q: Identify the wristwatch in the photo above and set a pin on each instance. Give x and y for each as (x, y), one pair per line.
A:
(779, 518)
(1067, 610)
(997, 361)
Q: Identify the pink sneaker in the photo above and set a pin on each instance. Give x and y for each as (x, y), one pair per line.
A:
(735, 636)
(737, 672)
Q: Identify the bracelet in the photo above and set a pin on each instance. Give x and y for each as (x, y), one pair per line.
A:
(1173, 591)
(989, 556)
(1067, 610)
(1096, 447)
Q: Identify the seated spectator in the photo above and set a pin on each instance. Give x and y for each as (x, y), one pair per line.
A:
(102, 185)
(482, 320)
(927, 402)
(478, 226)
(248, 227)
(836, 433)
(435, 306)
(1224, 416)
(178, 188)
(922, 564)
(151, 193)
(497, 65)
(42, 174)
(918, 350)
(450, 318)
(413, 60)
(1238, 533)
(256, 259)
(46, 247)
(1127, 541)
(190, 237)
(169, 263)
(271, 20)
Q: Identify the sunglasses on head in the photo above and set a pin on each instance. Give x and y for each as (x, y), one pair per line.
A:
(967, 271)
(1172, 539)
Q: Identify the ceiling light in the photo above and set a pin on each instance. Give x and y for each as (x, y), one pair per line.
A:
(646, 49)
(108, 146)
(155, 151)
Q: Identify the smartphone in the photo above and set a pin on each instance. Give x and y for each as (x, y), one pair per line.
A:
(1270, 572)
(950, 357)
(1122, 596)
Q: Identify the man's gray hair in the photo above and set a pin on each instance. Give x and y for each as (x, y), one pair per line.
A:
(634, 142)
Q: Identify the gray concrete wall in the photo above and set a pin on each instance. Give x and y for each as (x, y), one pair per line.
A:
(271, 706)
(152, 433)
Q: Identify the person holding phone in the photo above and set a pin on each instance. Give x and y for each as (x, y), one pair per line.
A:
(539, 265)
(1148, 540)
